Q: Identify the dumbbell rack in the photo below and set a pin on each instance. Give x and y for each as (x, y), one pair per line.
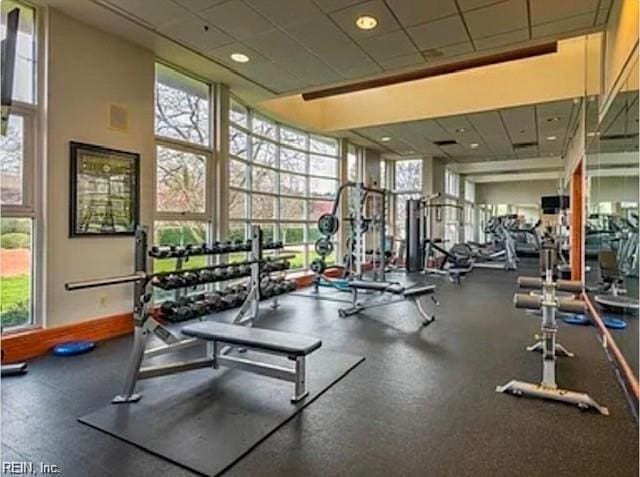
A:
(147, 323)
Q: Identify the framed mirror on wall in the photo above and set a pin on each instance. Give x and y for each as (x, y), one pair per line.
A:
(611, 229)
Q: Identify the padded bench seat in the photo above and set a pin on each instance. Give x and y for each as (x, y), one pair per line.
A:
(255, 338)
(393, 288)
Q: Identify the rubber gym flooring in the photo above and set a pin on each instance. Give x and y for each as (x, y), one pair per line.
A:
(423, 402)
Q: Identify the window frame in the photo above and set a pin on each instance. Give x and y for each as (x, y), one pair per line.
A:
(32, 178)
(278, 220)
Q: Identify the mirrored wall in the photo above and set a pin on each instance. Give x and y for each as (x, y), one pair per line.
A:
(611, 235)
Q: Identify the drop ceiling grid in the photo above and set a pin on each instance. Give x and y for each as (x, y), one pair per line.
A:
(285, 33)
(495, 132)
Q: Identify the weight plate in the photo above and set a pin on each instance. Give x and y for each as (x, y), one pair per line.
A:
(328, 224)
(323, 247)
(317, 265)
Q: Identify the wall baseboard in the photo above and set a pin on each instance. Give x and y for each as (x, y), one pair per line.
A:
(33, 343)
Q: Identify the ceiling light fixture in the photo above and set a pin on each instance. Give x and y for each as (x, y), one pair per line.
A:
(551, 138)
(239, 57)
(553, 119)
(461, 130)
(366, 22)
(385, 139)
(474, 145)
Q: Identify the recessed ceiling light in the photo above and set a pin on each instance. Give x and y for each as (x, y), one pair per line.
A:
(551, 138)
(553, 119)
(474, 145)
(239, 57)
(411, 152)
(366, 22)
(460, 130)
(385, 139)
(522, 131)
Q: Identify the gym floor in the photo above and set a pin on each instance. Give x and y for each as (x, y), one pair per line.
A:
(423, 402)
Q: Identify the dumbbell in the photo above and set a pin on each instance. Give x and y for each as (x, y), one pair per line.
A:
(231, 300)
(168, 308)
(191, 278)
(179, 252)
(160, 252)
(220, 274)
(278, 244)
(227, 246)
(248, 245)
(290, 285)
(199, 308)
(169, 281)
(182, 313)
(213, 302)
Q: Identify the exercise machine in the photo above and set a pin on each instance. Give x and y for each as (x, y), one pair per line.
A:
(426, 254)
(549, 303)
(612, 284)
(223, 341)
(499, 253)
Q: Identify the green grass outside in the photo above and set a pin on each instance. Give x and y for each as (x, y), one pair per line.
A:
(14, 299)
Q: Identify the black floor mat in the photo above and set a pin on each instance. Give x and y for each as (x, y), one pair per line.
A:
(206, 420)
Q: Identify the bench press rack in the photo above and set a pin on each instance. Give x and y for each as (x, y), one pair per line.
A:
(146, 325)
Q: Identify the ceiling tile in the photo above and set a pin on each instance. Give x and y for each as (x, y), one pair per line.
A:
(198, 5)
(453, 123)
(602, 16)
(412, 13)
(286, 12)
(275, 45)
(332, 5)
(310, 68)
(389, 45)
(466, 5)
(487, 123)
(321, 35)
(154, 13)
(439, 33)
(347, 17)
(237, 19)
(456, 50)
(223, 54)
(564, 26)
(361, 70)
(191, 31)
(347, 56)
(274, 76)
(543, 11)
(415, 59)
(520, 123)
(503, 39)
(498, 18)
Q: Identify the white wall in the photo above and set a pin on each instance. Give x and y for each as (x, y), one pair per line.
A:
(87, 71)
(614, 189)
(520, 192)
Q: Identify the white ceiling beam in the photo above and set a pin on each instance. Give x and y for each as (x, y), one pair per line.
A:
(527, 176)
(614, 172)
(484, 167)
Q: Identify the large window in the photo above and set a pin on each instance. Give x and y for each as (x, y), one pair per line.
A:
(18, 198)
(469, 210)
(183, 194)
(280, 178)
(407, 185)
(451, 183)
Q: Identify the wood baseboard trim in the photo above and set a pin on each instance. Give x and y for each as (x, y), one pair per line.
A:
(37, 342)
(33, 343)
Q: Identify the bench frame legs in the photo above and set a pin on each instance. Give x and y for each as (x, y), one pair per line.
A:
(376, 299)
(217, 354)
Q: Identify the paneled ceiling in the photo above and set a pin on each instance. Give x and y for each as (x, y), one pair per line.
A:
(301, 44)
(619, 129)
(513, 133)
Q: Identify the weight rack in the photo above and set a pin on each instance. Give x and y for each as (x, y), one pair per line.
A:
(146, 323)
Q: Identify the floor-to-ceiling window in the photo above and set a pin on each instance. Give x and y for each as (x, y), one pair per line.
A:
(469, 210)
(281, 178)
(407, 185)
(183, 212)
(452, 213)
(19, 195)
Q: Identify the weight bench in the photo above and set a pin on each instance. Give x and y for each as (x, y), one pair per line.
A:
(292, 346)
(403, 293)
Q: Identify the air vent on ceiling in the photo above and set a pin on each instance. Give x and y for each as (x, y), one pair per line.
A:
(446, 142)
(118, 118)
(524, 145)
